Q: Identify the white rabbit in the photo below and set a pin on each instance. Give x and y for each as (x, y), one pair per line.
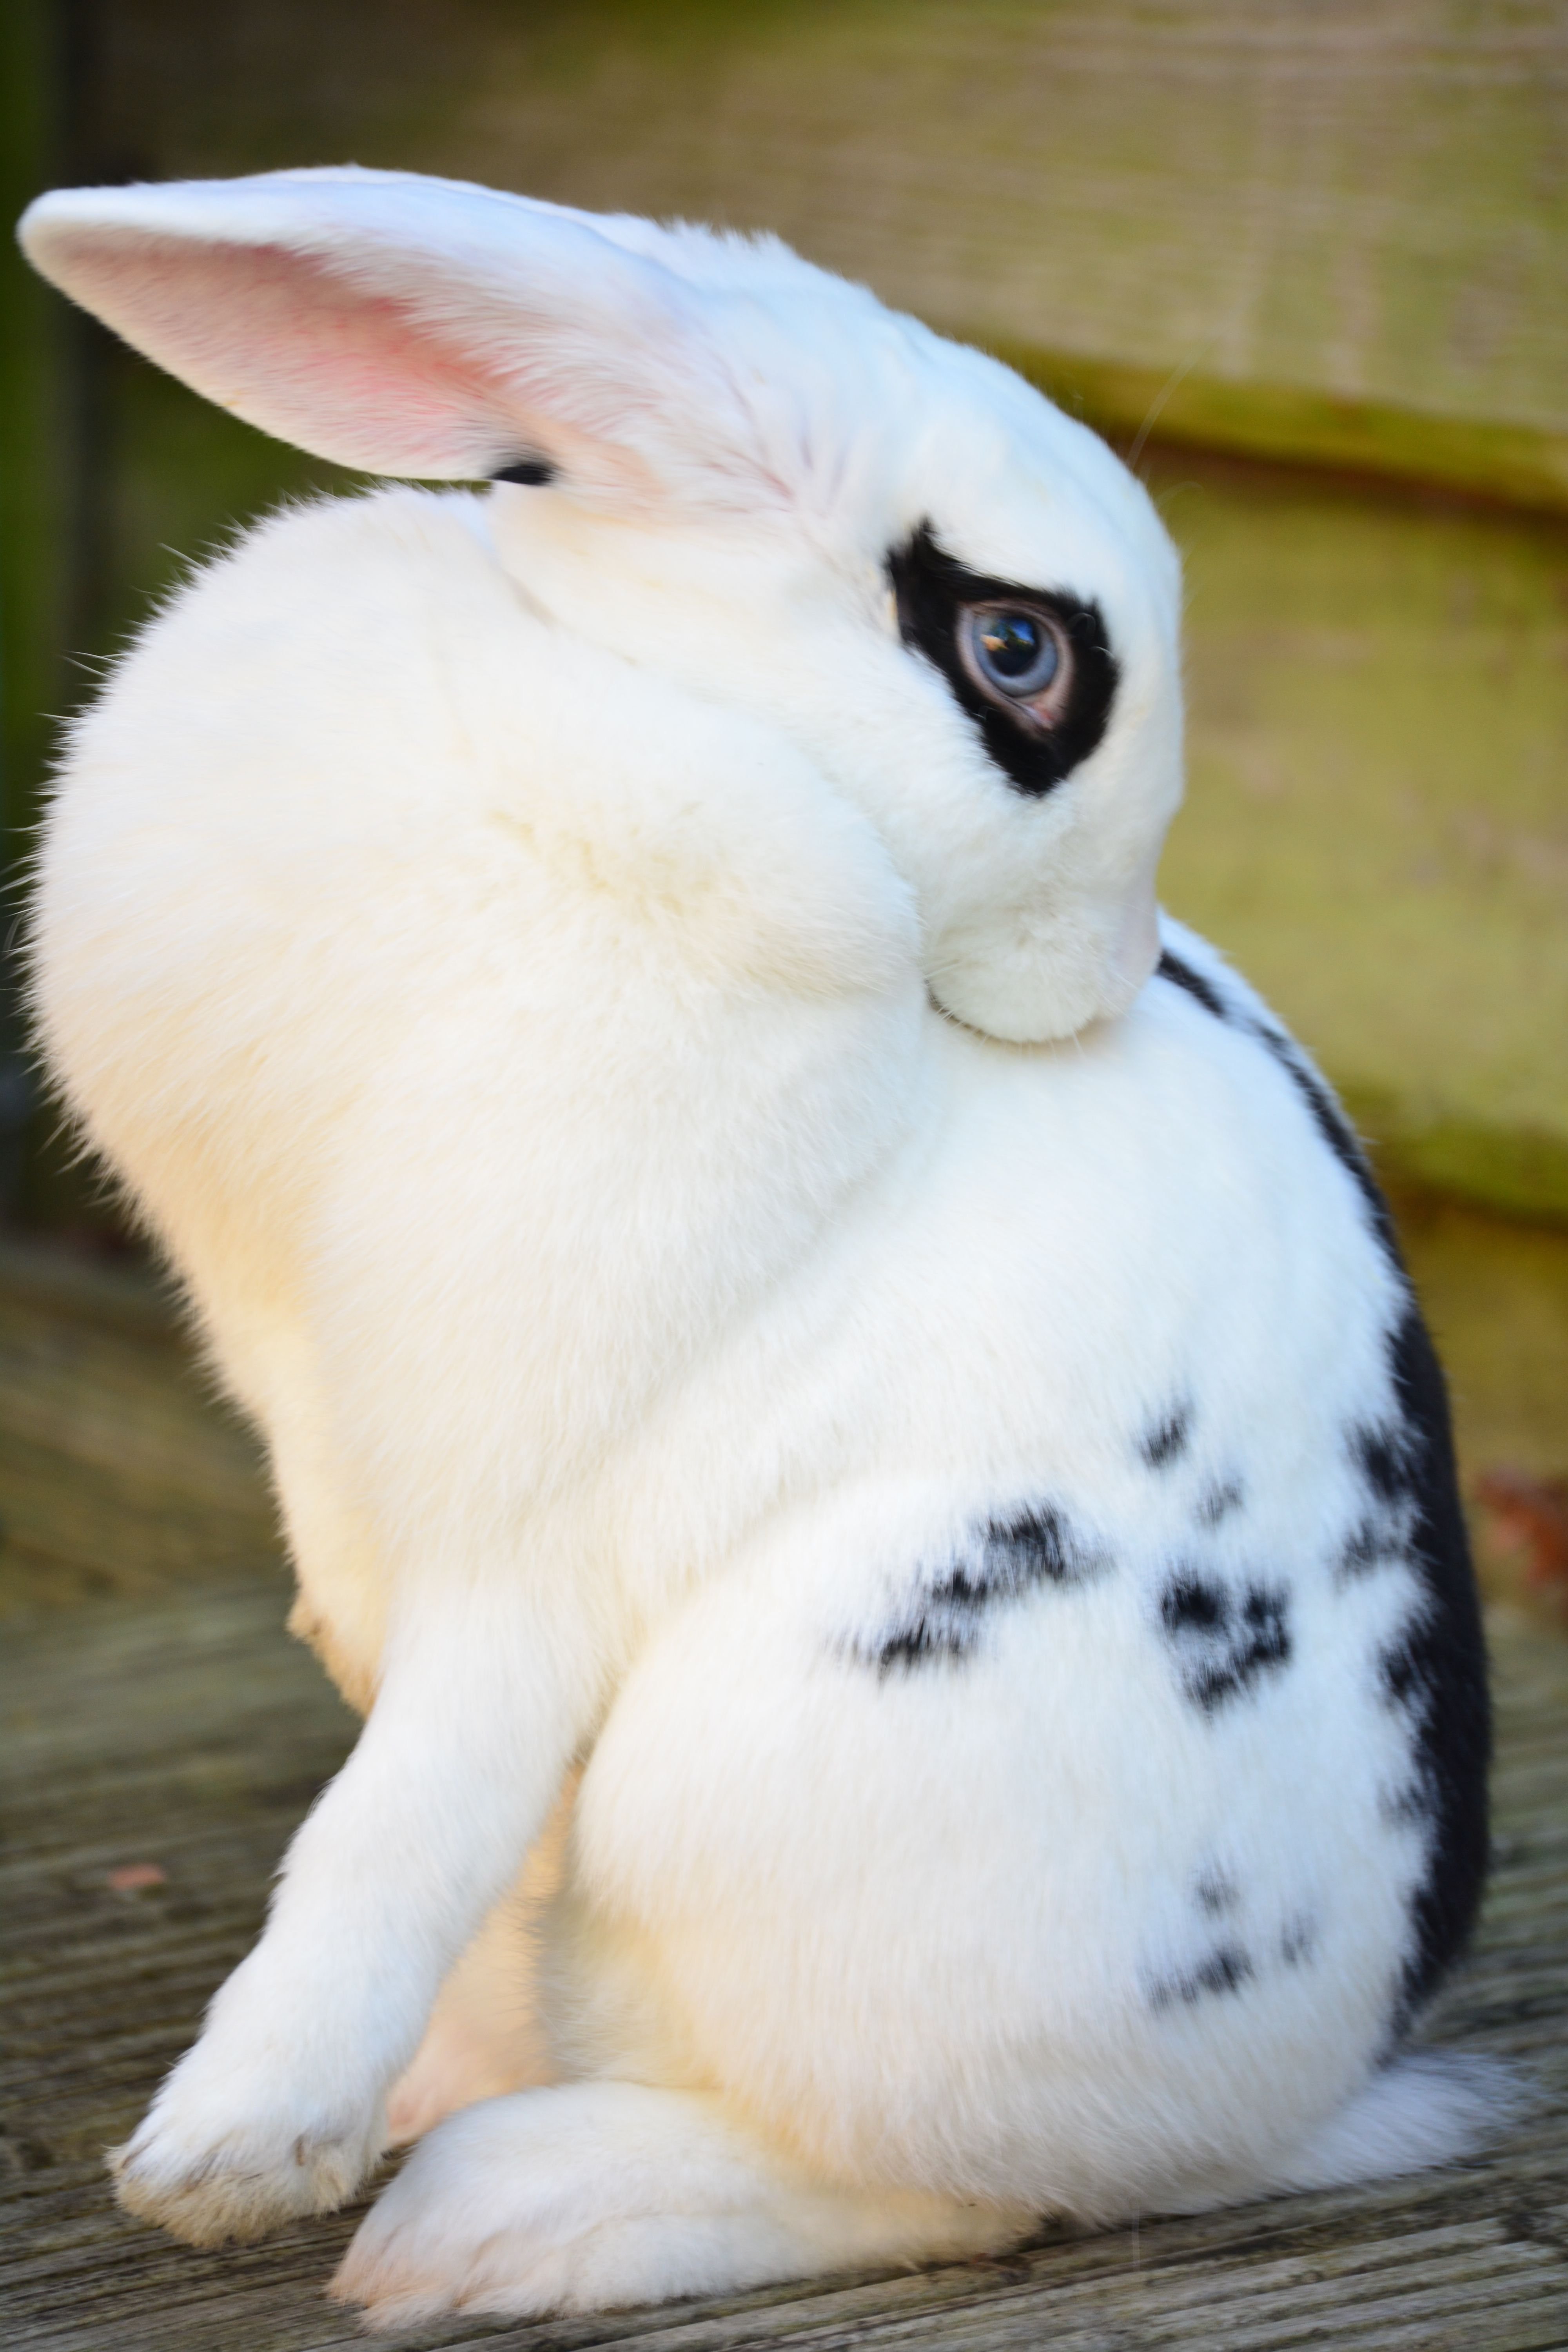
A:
(633, 1001)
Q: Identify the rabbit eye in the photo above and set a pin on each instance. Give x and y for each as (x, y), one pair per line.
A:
(1019, 655)
(1031, 666)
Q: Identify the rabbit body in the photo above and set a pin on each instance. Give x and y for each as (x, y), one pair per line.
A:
(977, 1507)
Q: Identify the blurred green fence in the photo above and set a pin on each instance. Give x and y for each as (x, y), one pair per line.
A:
(1308, 263)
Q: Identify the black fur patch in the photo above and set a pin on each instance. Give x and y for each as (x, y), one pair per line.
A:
(1217, 1502)
(1216, 1893)
(932, 587)
(1435, 1675)
(1182, 975)
(1298, 1939)
(946, 1614)
(1167, 1441)
(1400, 1679)
(1402, 1807)
(1382, 1454)
(1225, 1970)
(1224, 1641)
(1336, 1131)
(1330, 1120)
(1383, 1535)
(1368, 1547)
(535, 473)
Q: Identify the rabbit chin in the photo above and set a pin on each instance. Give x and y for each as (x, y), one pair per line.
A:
(1032, 988)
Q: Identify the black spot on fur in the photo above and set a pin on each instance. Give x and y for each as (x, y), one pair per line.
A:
(1225, 1970)
(1216, 1893)
(1216, 1503)
(932, 587)
(1384, 1533)
(1382, 1455)
(1400, 1677)
(1298, 1939)
(1367, 1546)
(1224, 1641)
(945, 1623)
(1188, 1602)
(533, 472)
(946, 1612)
(1167, 1441)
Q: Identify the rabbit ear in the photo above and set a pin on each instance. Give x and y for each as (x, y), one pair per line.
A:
(414, 326)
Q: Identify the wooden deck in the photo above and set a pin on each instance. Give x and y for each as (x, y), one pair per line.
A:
(156, 1714)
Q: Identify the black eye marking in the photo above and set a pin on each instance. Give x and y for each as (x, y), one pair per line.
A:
(1223, 1646)
(1167, 1441)
(1216, 1503)
(933, 591)
(943, 1615)
(1225, 1970)
(533, 472)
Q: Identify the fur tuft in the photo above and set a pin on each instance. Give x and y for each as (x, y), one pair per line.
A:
(1423, 2108)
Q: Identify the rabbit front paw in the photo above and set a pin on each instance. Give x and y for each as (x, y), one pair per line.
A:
(229, 2148)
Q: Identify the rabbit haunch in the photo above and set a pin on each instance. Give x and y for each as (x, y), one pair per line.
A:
(970, 1504)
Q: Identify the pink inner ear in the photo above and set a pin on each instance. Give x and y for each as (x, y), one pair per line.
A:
(295, 346)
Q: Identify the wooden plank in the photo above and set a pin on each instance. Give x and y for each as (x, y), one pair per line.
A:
(117, 1470)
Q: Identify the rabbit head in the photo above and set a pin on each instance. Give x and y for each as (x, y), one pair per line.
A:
(717, 461)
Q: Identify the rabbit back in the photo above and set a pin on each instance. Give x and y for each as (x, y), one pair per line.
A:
(1094, 1753)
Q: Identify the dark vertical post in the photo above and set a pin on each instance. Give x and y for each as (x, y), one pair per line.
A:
(35, 502)
(56, 482)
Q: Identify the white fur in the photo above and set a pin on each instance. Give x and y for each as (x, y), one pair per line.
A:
(666, 1142)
